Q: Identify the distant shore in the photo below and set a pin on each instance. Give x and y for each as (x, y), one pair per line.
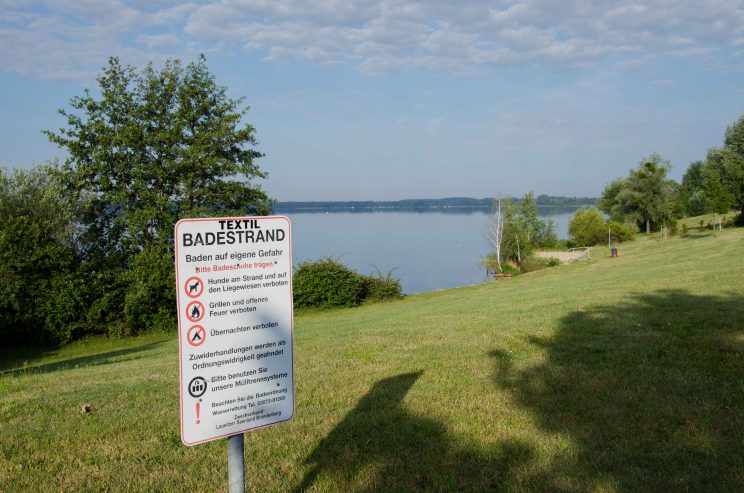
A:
(452, 204)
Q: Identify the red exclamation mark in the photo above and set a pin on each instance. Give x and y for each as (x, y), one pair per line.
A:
(198, 408)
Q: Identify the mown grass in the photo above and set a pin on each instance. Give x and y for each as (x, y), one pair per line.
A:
(615, 374)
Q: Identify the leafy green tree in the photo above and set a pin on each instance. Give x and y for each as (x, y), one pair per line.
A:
(538, 233)
(515, 231)
(36, 254)
(157, 146)
(723, 172)
(608, 202)
(645, 195)
(149, 148)
(692, 190)
(588, 227)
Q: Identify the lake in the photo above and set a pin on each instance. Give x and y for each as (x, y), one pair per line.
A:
(426, 250)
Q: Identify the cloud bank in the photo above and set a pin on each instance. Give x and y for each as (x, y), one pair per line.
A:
(63, 39)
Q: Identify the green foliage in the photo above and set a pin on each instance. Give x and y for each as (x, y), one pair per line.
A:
(620, 231)
(587, 227)
(523, 230)
(538, 263)
(381, 286)
(155, 147)
(511, 269)
(326, 283)
(490, 263)
(723, 172)
(88, 248)
(150, 300)
(645, 195)
(37, 255)
(608, 202)
(691, 193)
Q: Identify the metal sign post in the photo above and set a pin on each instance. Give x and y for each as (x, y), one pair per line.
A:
(235, 464)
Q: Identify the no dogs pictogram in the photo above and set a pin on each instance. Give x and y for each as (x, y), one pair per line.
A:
(194, 311)
(196, 335)
(194, 287)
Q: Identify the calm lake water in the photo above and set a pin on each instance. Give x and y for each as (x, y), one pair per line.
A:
(425, 250)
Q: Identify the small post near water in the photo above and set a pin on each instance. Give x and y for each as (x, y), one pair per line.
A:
(235, 330)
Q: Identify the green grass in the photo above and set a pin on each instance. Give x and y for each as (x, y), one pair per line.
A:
(614, 374)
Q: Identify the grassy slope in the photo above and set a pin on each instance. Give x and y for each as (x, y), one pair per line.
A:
(621, 374)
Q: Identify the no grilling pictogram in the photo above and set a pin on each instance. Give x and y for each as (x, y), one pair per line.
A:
(194, 311)
(196, 335)
(194, 287)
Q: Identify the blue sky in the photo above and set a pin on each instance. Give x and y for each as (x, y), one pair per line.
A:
(390, 100)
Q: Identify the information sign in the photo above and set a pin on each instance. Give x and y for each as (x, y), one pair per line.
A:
(235, 325)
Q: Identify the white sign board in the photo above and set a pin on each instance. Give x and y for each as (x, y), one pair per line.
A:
(235, 326)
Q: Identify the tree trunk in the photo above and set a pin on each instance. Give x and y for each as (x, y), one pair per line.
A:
(648, 225)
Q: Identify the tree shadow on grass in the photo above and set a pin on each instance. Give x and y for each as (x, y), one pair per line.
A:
(88, 360)
(651, 391)
(380, 446)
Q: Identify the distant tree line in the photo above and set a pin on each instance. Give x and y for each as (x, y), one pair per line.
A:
(542, 201)
(86, 246)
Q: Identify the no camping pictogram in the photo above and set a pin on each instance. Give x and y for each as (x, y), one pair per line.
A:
(194, 311)
(194, 287)
(196, 335)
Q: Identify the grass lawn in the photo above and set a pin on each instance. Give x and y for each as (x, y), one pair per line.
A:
(614, 374)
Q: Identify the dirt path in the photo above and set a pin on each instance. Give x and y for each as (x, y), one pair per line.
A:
(566, 257)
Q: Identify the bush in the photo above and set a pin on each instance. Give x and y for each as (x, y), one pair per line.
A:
(588, 227)
(673, 227)
(620, 231)
(381, 287)
(326, 283)
(37, 256)
(490, 263)
(538, 263)
(150, 301)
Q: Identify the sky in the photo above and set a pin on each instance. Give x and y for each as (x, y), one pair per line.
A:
(387, 100)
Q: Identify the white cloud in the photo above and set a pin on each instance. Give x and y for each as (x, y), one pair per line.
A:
(58, 37)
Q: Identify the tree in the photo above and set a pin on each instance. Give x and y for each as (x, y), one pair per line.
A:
(587, 227)
(515, 232)
(495, 229)
(692, 196)
(36, 252)
(723, 172)
(153, 147)
(608, 202)
(645, 195)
